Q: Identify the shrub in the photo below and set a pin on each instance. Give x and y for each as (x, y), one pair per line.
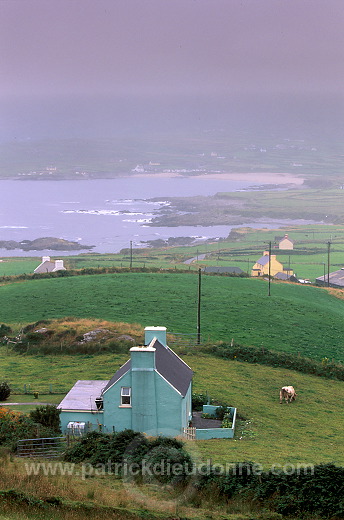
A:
(4, 330)
(15, 425)
(198, 400)
(135, 449)
(5, 391)
(227, 421)
(48, 416)
(220, 412)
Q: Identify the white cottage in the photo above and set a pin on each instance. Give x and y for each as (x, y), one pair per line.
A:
(49, 266)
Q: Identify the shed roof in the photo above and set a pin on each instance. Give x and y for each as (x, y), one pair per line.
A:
(83, 395)
(223, 269)
(336, 279)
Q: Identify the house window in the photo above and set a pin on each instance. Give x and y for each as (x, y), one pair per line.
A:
(125, 396)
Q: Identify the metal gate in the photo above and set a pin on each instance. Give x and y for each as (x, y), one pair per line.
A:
(49, 447)
(184, 340)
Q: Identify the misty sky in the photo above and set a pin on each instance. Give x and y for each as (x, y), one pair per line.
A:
(164, 50)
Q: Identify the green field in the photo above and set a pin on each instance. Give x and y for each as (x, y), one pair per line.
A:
(308, 259)
(315, 419)
(301, 319)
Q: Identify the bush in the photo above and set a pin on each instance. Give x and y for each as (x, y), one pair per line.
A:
(319, 492)
(316, 491)
(48, 416)
(220, 412)
(5, 391)
(4, 330)
(15, 425)
(198, 400)
(133, 448)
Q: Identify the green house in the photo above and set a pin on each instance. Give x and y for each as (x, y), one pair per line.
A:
(150, 393)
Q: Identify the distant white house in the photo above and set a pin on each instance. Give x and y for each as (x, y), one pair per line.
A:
(285, 243)
(138, 169)
(49, 266)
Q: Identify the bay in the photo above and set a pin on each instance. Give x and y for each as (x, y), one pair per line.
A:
(107, 214)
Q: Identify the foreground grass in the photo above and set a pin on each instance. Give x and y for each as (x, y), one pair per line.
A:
(294, 318)
(108, 497)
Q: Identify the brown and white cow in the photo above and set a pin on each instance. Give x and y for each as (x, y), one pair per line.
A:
(288, 393)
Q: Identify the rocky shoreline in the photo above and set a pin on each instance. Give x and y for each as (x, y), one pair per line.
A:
(40, 244)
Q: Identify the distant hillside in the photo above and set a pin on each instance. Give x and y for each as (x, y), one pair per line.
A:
(294, 318)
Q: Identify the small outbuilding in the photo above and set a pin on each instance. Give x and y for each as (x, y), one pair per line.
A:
(223, 270)
(335, 279)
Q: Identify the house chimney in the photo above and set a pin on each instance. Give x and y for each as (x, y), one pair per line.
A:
(155, 332)
(144, 392)
(45, 259)
(59, 265)
(142, 358)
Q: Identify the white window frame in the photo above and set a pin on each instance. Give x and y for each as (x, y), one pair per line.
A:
(125, 395)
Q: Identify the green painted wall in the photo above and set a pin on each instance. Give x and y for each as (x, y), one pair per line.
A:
(116, 417)
(144, 392)
(156, 407)
(94, 418)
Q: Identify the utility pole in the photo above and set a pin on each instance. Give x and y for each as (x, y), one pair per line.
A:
(328, 262)
(199, 308)
(269, 293)
(131, 254)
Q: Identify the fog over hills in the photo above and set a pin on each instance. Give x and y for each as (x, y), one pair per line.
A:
(257, 115)
(105, 69)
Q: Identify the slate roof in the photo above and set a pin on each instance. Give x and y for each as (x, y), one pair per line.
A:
(48, 266)
(223, 269)
(279, 239)
(167, 363)
(263, 260)
(336, 279)
(83, 395)
(170, 366)
(120, 372)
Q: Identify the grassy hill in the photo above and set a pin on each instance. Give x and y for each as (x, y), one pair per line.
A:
(308, 430)
(305, 432)
(301, 319)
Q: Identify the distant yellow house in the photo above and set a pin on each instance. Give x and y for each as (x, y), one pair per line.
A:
(261, 267)
(286, 243)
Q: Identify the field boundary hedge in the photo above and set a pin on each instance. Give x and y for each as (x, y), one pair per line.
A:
(263, 356)
(109, 270)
